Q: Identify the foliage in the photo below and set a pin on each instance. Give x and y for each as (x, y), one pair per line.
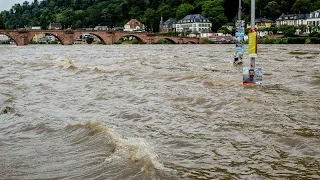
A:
(214, 11)
(163, 41)
(89, 40)
(224, 30)
(1, 22)
(128, 40)
(290, 40)
(272, 10)
(301, 6)
(314, 34)
(206, 41)
(315, 40)
(183, 10)
(297, 40)
(287, 30)
(308, 41)
(273, 41)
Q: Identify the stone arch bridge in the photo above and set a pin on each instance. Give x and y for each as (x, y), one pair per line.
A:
(68, 37)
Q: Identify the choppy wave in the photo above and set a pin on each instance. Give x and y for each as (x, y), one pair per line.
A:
(77, 151)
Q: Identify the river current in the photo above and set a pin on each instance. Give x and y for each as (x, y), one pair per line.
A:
(158, 112)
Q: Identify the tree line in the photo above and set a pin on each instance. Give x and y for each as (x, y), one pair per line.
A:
(115, 13)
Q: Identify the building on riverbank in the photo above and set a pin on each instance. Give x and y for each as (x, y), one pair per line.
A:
(193, 23)
(292, 19)
(314, 18)
(134, 25)
(168, 25)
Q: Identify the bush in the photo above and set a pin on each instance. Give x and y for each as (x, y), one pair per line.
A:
(163, 41)
(314, 34)
(308, 41)
(54, 42)
(288, 30)
(4, 42)
(296, 40)
(291, 40)
(273, 41)
(89, 40)
(315, 40)
(206, 41)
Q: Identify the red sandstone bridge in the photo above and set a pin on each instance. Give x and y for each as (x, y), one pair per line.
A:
(68, 37)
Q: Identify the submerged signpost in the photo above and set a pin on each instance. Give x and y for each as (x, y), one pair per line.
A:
(252, 75)
(238, 54)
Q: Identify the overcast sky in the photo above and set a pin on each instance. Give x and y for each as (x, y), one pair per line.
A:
(7, 4)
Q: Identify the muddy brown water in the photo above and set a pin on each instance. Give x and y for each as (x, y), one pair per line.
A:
(158, 112)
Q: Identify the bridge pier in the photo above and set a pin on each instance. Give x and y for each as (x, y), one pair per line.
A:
(23, 38)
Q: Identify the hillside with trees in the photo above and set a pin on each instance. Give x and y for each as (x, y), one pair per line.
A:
(113, 13)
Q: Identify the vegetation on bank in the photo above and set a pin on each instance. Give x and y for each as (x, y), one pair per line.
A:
(313, 38)
(113, 13)
(290, 40)
(49, 42)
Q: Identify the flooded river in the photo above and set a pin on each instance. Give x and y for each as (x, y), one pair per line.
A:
(157, 112)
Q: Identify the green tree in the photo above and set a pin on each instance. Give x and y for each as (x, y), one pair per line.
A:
(2, 26)
(166, 11)
(224, 30)
(272, 10)
(135, 12)
(316, 5)
(149, 19)
(183, 10)
(214, 11)
(274, 30)
(288, 30)
(301, 6)
(65, 18)
(173, 3)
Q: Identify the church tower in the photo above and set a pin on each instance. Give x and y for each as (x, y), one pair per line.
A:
(161, 25)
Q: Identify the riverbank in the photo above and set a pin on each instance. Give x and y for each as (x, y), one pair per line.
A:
(276, 39)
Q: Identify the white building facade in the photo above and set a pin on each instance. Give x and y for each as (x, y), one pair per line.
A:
(314, 18)
(193, 23)
(292, 19)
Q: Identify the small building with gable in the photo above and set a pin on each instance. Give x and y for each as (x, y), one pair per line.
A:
(261, 23)
(55, 26)
(134, 25)
(168, 25)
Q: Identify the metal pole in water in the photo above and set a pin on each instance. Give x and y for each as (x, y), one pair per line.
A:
(255, 74)
(239, 36)
(253, 37)
(253, 13)
(239, 12)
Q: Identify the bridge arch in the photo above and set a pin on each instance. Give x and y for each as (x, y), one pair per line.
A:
(10, 36)
(96, 34)
(32, 34)
(139, 38)
(172, 40)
